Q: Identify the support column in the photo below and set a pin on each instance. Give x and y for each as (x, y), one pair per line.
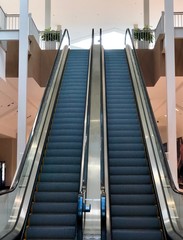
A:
(47, 14)
(171, 87)
(22, 81)
(146, 12)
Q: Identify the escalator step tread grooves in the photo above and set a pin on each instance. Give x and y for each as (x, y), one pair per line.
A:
(134, 213)
(54, 208)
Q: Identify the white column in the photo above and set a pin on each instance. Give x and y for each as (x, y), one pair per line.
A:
(171, 87)
(22, 81)
(146, 12)
(2, 63)
(47, 14)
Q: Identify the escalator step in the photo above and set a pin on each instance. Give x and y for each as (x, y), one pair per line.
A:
(63, 152)
(130, 179)
(135, 222)
(65, 139)
(55, 197)
(138, 146)
(61, 160)
(61, 168)
(128, 162)
(130, 154)
(55, 177)
(131, 188)
(57, 186)
(52, 219)
(133, 199)
(140, 234)
(135, 210)
(138, 170)
(56, 208)
(64, 145)
(49, 232)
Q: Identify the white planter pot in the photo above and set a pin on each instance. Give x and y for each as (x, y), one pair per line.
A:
(50, 45)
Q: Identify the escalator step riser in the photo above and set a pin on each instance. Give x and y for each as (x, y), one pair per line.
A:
(123, 121)
(65, 132)
(61, 169)
(64, 145)
(64, 152)
(137, 234)
(133, 199)
(130, 154)
(55, 177)
(125, 139)
(135, 223)
(131, 189)
(130, 179)
(51, 208)
(51, 232)
(138, 146)
(65, 139)
(129, 170)
(56, 197)
(133, 162)
(57, 187)
(134, 211)
(52, 220)
(62, 160)
(125, 131)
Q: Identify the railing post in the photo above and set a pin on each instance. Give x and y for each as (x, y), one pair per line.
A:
(171, 88)
(22, 81)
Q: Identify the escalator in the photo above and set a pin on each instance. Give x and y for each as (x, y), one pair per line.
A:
(53, 210)
(133, 202)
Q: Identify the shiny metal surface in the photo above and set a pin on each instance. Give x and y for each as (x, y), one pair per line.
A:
(106, 167)
(92, 220)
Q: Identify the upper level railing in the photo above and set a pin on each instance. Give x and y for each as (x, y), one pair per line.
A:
(11, 22)
(178, 23)
(147, 39)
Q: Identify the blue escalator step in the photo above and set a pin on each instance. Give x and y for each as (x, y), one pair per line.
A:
(51, 207)
(133, 199)
(39, 219)
(57, 186)
(136, 223)
(55, 177)
(53, 212)
(141, 234)
(62, 160)
(55, 196)
(134, 212)
(50, 232)
(49, 168)
(130, 179)
(133, 162)
(128, 170)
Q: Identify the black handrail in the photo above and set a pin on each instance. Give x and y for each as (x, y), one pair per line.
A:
(84, 159)
(38, 117)
(172, 184)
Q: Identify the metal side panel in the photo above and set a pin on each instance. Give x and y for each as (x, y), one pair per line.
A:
(92, 219)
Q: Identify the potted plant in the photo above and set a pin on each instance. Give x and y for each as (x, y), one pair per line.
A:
(143, 36)
(50, 37)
